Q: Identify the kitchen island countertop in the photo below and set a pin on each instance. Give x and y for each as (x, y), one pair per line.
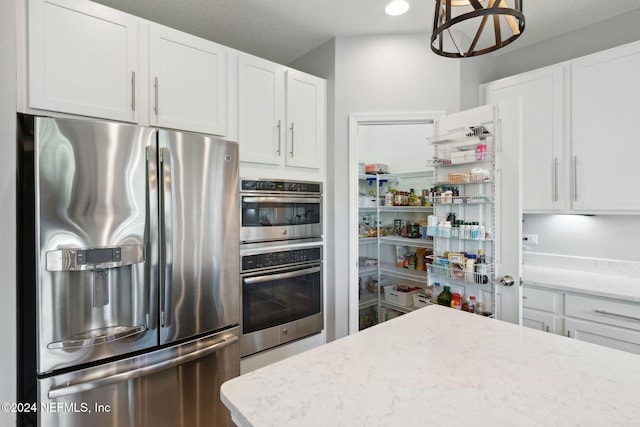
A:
(438, 366)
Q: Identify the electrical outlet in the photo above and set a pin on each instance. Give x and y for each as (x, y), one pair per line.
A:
(530, 239)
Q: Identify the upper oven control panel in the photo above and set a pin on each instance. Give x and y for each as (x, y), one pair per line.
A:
(259, 261)
(280, 186)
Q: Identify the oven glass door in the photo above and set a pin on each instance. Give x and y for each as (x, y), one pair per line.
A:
(280, 211)
(280, 297)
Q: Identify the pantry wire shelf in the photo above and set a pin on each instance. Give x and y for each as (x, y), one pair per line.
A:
(482, 131)
(456, 271)
(463, 200)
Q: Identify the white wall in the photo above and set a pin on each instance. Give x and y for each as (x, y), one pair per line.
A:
(601, 236)
(8, 206)
(402, 147)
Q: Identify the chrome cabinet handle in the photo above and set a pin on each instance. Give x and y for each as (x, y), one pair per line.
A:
(167, 235)
(279, 126)
(133, 91)
(555, 179)
(155, 91)
(81, 387)
(575, 178)
(624, 316)
(292, 139)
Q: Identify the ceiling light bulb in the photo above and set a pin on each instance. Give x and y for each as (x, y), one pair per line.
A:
(397, 7)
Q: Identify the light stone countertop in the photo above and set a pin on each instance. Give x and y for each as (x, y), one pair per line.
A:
(598, 277)
(441, 367)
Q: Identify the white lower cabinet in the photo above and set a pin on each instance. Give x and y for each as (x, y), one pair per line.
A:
(542, 310)
(603, 334)
(613, 323)
(610, 322)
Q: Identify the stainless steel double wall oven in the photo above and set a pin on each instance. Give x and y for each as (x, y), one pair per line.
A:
(281, 253)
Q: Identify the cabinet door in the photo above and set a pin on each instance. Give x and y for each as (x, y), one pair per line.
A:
(609, 336)
(188, 82)
(542, 125)
(261, 105)
(540, 320)
(605, 146)
(305, 120)
(83, 59)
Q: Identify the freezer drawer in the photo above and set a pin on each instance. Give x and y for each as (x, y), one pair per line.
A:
(175, 386)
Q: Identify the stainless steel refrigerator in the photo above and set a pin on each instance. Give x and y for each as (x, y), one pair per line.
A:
(128, 267)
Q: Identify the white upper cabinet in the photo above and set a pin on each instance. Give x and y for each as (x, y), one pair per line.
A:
(261, 110)
(83, 59)
(282, 115)
(306, 115)
(605, 139)
(542, 122)
(187, 81)
(581, 143)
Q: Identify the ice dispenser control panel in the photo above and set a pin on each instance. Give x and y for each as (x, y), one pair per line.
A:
(94, 258)
(98, 256)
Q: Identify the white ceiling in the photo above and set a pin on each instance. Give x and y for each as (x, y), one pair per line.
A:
(283, 30)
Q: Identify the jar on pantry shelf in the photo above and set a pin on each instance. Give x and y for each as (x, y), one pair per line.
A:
(388, 198)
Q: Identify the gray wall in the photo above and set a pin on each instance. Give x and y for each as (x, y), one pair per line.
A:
(8, 206)
(373, 74)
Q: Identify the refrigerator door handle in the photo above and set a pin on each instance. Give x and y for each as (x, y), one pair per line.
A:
(152, 213)
(167, 235)
(68, 388)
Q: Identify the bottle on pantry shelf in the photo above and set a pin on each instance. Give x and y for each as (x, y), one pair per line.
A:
(445, 297)
(472, 304)
(412, 197)
(456, 301)
(481, 268)
(435, 292)
(481, 151)
(479, 307)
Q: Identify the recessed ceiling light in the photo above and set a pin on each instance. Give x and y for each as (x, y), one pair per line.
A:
(397, 7)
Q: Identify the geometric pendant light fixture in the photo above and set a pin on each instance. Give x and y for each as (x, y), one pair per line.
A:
(465, 28)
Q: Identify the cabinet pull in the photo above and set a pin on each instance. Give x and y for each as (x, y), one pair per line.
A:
(279, 136)
(575, 178)
(555, 179)
(155, 91)
(133, 91)
(547, 327)
(568, 333)
(292, 139)
(624, 316)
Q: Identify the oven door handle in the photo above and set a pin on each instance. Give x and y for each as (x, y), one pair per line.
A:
(279, 276)
(272, 199)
